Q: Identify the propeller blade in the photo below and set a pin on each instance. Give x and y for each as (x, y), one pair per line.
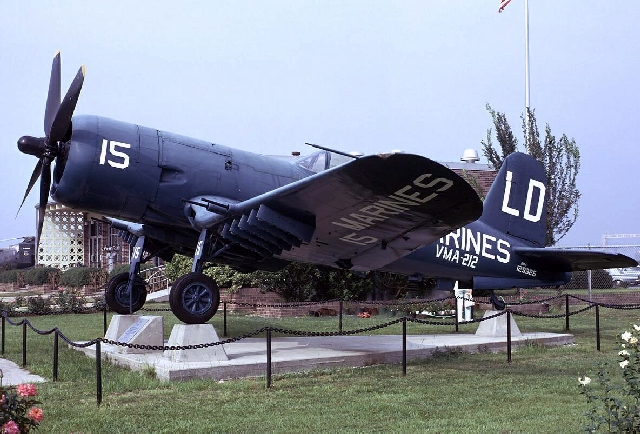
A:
(34, 177)
(45, 182)
(62, 121)
(53, 97)
(45, 186)
(39, 230)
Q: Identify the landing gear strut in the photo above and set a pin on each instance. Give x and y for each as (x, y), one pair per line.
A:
(127, 292)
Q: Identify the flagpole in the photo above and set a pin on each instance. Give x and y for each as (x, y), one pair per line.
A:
(526, 69)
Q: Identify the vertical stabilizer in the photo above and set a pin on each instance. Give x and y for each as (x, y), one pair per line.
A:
(515, 204)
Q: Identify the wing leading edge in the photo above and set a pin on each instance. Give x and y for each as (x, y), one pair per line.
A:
(562, 260)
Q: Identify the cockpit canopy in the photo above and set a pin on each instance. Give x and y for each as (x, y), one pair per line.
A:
(322, 160)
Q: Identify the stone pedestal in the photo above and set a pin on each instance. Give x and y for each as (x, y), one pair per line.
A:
(194, 334)
(497, 327)
(136, 329)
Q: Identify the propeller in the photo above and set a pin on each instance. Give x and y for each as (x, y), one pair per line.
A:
(57, 130)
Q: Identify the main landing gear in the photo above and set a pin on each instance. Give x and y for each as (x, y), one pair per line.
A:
(194, 298)
(127, 292)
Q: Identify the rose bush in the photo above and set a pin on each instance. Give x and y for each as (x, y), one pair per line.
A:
(18, 411)
(615, 393)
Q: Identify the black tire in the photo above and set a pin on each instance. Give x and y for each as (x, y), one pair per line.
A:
(194, 298)
(117, 294)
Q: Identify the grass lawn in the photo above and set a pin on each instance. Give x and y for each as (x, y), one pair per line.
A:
(538, 392)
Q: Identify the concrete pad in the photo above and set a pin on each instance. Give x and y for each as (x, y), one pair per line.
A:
(497, 326)
(248, 357)
(194, 334)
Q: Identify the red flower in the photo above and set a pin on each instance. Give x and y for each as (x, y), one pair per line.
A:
(36, 414)
(11, 427)
(26, 390)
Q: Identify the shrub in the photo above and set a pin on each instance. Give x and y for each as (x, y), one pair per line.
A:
(18, 413)
(70, 300)
(79, 276)
(10, 276)
(124, 268)
(38, 305)
(615, 393)
(39, 276)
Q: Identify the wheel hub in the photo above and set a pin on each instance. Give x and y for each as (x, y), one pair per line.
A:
(197, 298)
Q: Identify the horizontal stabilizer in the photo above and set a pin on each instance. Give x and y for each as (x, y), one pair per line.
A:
(553, 259)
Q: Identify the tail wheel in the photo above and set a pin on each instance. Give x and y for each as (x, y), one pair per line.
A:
(117, 294)
(194, 298)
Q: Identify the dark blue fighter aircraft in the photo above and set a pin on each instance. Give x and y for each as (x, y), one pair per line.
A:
(394, 212)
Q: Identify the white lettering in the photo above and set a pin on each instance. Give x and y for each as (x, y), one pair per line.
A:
(527, 207)
(487, 241)
(507, 193)
(117, 159)
(381, 210)
(362, 240)
(503, 248)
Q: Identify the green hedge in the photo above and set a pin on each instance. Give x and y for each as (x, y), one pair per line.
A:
(39, 276)
(79, 276)
(10, 276)
(124, 268)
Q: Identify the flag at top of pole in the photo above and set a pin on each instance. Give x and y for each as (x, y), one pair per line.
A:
(503, 4)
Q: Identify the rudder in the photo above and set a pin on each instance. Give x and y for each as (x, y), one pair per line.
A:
(515, 204)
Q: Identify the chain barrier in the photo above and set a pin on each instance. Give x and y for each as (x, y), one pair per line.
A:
(98, 341)
(563, 315)
(608, 305)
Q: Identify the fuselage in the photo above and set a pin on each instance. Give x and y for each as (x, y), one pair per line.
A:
(144, 175)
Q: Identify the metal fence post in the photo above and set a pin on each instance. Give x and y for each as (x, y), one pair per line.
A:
(566, 312)
(24, 343)
(55, 356)
(98, 372)
(268, 357)
(104, 321)
(597, 327)
(404, 346)
(3, 324)
(224, 318)
(340, 319)
(457, 314)
(508, 337)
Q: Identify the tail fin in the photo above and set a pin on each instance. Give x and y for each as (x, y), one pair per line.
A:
(515, 204)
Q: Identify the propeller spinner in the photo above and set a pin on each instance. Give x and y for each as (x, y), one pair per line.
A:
(57, 130)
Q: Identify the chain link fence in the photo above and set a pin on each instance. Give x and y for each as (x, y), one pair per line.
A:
(610, 278)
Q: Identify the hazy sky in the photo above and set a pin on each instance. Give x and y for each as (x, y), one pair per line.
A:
(267, 76)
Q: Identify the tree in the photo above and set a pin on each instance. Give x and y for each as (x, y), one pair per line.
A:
(561, 162)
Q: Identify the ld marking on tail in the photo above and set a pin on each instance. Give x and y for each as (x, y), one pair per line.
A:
(527, 214)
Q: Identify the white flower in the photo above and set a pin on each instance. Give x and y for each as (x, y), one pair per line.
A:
(633, 340)
(626, 336)
(624, 364)
(636, 327)
(624, 353)
(584, 381)
(623, 345)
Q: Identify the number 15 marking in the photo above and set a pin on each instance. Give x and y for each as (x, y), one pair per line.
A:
(117, 159)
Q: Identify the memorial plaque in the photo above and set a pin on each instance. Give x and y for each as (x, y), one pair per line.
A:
(134, 329)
